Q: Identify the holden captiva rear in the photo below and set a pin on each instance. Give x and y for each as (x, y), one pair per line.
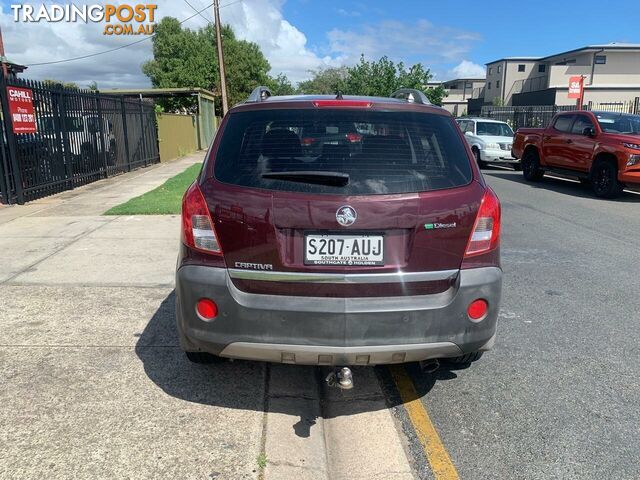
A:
(339, 231)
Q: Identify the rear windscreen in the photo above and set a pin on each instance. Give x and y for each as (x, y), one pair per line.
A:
(374, 152)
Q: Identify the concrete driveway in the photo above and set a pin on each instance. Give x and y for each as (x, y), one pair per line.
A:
(95, 386)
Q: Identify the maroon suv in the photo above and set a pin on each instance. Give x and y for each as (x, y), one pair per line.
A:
(331, 230)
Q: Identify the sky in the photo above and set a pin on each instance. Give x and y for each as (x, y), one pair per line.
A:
(452, 39)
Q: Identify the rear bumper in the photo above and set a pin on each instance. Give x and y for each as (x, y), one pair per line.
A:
(327, 331)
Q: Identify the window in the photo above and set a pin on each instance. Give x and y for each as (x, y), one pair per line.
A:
(521, 67)
(582, 122)
(563, 123)
(489, 86)
(618, 122)
(466, 126)
(601, 59)
(380, 152)
(542, 68)
(499, 68)
(490, 70)
(494, 129)
(497, 83)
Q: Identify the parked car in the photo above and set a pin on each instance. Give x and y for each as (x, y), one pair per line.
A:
(600, 148)
(83, 133)
(388, 255)
(490, 141)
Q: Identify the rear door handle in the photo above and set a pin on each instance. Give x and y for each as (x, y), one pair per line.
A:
(569, 140)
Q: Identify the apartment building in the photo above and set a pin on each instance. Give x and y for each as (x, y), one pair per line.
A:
(459, 92)
(611, 74)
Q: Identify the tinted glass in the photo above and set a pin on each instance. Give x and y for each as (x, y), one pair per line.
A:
(381, 152)
(563, 123)
(580, 124)
(618, 122)
(493, 129)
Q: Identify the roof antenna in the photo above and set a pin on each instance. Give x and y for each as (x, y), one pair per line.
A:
(339, 95)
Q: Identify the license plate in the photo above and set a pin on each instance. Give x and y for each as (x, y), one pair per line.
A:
(356, 250)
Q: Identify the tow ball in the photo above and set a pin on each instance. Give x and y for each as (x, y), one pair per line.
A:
(341, 378)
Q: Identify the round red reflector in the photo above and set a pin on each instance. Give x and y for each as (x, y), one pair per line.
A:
(477, 309)
(207, 309)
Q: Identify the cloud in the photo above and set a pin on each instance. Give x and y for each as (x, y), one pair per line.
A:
(348, 13)
(418, 41)
(259, 21)
(467, 69)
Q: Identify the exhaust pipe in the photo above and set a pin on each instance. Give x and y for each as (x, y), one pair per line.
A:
(341, 378)
(429, 366)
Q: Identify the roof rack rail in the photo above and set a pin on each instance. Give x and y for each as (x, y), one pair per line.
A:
(259, 94)
(411, 95)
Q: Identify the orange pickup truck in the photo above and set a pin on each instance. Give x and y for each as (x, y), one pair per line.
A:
(600, 148)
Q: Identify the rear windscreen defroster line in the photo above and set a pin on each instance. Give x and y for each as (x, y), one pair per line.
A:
(373, 152)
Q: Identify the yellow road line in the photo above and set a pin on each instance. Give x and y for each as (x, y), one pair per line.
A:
(441, 464)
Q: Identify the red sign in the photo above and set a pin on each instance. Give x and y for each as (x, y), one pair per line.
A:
(575, 87)
(21, 110)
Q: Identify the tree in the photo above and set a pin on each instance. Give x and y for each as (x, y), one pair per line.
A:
(280, 85)
(376, 78)
(57, 83)
(383, 77)
(324, 81)
(187, 58)
(93, 86)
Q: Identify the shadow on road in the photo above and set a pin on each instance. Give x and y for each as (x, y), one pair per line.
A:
(558, 185)
(242, 385)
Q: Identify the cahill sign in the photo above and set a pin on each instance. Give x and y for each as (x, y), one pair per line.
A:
(123, 19)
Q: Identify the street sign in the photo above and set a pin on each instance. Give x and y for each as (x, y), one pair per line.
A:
(21, 109)
(575, 87)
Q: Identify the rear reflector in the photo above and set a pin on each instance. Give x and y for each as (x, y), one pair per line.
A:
(485, 235)
(207, 309)
(342, 103)
(477, 309)
(197, 227)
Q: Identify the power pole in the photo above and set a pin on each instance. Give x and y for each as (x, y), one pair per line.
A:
(223, 81)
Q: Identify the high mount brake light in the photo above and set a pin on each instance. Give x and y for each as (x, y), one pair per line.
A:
(197, 227)
(485, 235)
(342, 103)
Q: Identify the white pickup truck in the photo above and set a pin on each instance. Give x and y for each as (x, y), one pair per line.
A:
(490, 141)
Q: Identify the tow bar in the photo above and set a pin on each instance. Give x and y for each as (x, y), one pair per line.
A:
(341, 378)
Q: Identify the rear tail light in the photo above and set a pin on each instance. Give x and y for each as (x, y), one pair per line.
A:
(306, 141)
(197, 227)
(354, 137)
(485, 235)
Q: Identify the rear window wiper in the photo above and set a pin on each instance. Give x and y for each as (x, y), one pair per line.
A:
(337, 179)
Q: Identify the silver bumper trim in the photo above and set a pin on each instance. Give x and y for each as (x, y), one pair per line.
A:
(342, 278)
(327, 355)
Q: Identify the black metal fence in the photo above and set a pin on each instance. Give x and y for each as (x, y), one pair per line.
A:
(81, 137)
(541, 115)
(521, 117)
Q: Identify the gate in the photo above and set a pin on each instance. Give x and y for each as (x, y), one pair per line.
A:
(81, 136)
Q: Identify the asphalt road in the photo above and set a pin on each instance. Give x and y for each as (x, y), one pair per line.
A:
(95, 386)
(559, 397)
